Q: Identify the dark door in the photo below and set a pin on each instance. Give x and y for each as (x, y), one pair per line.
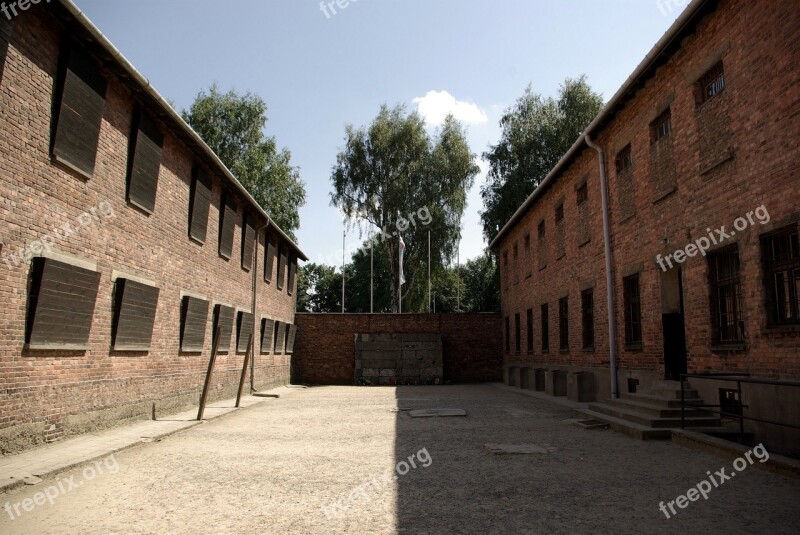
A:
(673, 324)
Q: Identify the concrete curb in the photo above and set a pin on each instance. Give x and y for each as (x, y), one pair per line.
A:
(557, 400)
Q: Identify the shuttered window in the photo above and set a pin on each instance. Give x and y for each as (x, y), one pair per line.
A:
(291, 332)
(223, 319)
(281, 266)
(267, 335)
(144, 162)
(61, 305)
(198, 205)
(292, 274)
(269, 257)
(80, 101)
(248, 241)
(280, 337)
(227, 225)
(244, 329)
(194, 314)
(134, 315)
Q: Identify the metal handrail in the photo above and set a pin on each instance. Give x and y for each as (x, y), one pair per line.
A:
(739, 379)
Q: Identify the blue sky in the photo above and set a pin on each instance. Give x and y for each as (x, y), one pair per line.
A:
(318, 72)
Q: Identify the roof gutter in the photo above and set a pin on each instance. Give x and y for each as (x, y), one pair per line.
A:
(669, 37)
(103, 41)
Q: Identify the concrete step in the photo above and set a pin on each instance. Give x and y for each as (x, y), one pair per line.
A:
(656, 400)
(650, 420)
(660, 410)
(670, 392)
(641, 432)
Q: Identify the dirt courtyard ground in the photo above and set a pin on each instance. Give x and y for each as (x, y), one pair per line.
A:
(322, 460)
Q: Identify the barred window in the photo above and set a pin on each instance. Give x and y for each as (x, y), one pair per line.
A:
(711, 84)
(633, 310)
(517, 334)
(780, 253)
(661, 126)
(545, 320)
(727, 325)
(529, 331)
(587, 318)
(624, 160)
(582, 194)
(563, 323)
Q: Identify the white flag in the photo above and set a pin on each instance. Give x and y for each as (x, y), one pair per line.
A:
(402, 251)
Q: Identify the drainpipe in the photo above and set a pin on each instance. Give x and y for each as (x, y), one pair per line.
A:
(612, 324)
(256, 320)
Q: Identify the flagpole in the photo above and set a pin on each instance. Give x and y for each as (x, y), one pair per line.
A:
(344, 237)
(458, 274)
(429, 271)
(371, 273)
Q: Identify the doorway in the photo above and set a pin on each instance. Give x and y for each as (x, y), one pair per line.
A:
(673, 324)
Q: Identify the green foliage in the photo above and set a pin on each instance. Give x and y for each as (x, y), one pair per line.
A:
(477, 283)
(536, 133)
(233, 126)
(319, 288)
(392, 169)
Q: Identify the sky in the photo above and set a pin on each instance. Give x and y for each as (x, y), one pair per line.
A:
(320, 67)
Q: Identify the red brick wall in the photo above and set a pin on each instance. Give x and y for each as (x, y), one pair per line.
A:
(325, 345)
(44, 395)
(759, 107)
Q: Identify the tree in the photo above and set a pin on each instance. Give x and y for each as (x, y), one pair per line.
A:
(233, 126)
(536, 133)
(319, 288)
(398, 179)
(476, 284)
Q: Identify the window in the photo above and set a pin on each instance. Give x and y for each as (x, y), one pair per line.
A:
(223, 320)
(727, 325)
(281, 266)
(581, 200)
(559, 213)
(194, 312)
(292, 274)
(248, 241)
(269, 256)
(587, 318)
(633, 310)
(528, 267)
(563, 323)
(517, 334)
(582, 194)
(61, 305)
(541, 230)
(711, 84)
(144, 162)
(516, 263)
(545, 329)
(280, 337)
(505, 270)
(541, 247)
(80, 101)
(227, 225)
(267, 335)
(5, 37)
(244, 330)
(561, 247)
(200, 200)
(529, 331)
(135, 307)
(780, 253)
(508, 335)
(291, 332)
(624, 160)
(661, 126)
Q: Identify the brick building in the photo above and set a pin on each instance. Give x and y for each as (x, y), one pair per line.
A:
(704, 134)
(125, 244)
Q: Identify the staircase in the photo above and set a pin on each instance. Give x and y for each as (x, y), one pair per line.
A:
(653, 412)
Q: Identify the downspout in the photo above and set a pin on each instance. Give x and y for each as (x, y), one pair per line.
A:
(256, 320)
(612, 323)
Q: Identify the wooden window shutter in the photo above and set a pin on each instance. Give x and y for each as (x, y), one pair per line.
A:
(223, 318)
(248, 242)
(292, 274)
(135, 307)
(194, 313)
(290, 335)
(244, 328)
(144, 162)
(267, 335)
(227, 225)
(269, 257)
(281, 266)
(199, 203)
(61, 305)
(280, 337)
(79, 111)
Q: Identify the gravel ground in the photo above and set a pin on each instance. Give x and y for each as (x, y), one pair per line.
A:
(321, 460)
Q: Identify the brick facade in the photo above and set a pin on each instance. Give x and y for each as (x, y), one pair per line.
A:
(325, 346)
(44, 394)
(719, 161)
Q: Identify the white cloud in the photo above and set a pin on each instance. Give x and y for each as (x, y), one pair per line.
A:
(436, 105)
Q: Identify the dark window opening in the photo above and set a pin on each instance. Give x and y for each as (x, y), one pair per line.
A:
(711, 84)
(541, 229)
(563, 323)
(508, 334)
(582, 195)
(529, 331)
(517, 334)
(780, 253)
(727, 324)
(587, 318)
(633, 310)
(545, 328)
(559, 213)
(624, 160)
(661, 126)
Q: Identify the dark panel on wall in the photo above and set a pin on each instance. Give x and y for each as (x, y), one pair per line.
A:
(280, 337)
(61, 305)
(194, 313)
(135, 307)
(269, 256)
(227, 225)
(144, 162)
(223, 318)
(199, 204)
(290, 335)
(244, 328)
(267, 335)
(281, 265)
(81, 101)
(248, 242)
(292, 274)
